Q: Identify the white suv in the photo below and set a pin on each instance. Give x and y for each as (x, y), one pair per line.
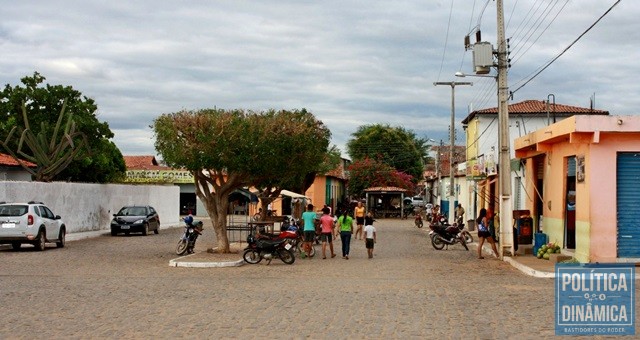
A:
(32, 223)
(416, 201)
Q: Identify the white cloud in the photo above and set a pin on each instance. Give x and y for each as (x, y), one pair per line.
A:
(348, 62)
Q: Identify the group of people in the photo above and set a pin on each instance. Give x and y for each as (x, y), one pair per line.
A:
(342, 226)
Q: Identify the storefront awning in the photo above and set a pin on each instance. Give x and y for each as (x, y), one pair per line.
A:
(291, 194)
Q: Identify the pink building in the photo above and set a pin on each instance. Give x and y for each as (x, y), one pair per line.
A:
(583, 178)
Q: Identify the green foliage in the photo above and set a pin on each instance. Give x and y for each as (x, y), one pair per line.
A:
(394, 146)
(43, 104)
(52, 155)
(228, 149)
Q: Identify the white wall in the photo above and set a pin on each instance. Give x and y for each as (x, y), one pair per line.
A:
(89, 207)
(9, 174)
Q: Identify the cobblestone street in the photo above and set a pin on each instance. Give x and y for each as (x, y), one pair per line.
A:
(122, 287)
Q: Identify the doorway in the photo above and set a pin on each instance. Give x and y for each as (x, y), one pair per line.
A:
(570, 204)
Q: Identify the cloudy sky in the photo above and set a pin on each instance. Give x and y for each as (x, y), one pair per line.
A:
(349, 62)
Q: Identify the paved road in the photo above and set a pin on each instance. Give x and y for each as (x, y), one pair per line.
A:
(122, 287)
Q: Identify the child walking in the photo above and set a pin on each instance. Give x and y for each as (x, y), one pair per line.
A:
(370, 234)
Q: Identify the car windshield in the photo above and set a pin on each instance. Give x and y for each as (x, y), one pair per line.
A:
(133, 211)
(13, 209)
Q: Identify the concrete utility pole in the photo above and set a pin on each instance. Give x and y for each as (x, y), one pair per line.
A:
(504, 172)
(452, 193)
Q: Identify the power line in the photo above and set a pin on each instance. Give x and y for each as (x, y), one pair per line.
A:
(544, 67)
(446, 40)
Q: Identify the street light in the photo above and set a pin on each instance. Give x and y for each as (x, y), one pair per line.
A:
(452, 142)
(424, 167)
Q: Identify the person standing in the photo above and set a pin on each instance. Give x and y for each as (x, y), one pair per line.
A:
(459, 213)
(358, 212)
(309, 229)
(345, 225)
(370, 234)
(326, 233)
(484, 233)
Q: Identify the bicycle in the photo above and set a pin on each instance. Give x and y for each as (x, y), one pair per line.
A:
(258, 216)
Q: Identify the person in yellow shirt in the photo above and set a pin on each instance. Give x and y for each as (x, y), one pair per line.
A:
(358, 212)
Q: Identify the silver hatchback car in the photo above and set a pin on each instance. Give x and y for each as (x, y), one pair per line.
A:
(31, 223)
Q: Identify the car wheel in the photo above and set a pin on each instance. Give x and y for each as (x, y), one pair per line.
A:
(16, 245)
(156, 230)
(114, 232)
(145, 229)
(41, 240)
(61, 238)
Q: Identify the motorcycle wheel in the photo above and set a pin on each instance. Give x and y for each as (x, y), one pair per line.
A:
(286, 256)
(437, 243)
(467, 237)
(419, 224)
(251, 256)
(182, 246)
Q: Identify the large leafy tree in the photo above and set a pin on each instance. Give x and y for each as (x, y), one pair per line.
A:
(98, 161)
(228, 149)
(366, 173)
(394, 146)
(297, 147)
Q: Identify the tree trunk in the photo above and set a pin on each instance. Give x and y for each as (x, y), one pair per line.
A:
(218, 214)
(217, 210)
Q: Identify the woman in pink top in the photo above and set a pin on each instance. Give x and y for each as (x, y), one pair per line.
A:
(326, 221)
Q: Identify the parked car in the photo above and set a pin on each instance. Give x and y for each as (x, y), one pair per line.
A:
(135, 219)
(32, 223)
(416, 201)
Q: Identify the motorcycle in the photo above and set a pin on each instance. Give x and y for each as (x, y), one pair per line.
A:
(443, 234)
(188, 240)
(418, 220)
(259, 249)
(465, 233)
(292, 235)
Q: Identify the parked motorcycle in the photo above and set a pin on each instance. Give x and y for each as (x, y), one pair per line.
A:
(443, 234)
(188, 240)
(259, 249)
(293, 237)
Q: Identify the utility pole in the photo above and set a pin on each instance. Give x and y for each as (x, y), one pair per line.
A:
(504, 172)
(438, 171)
(452, 194)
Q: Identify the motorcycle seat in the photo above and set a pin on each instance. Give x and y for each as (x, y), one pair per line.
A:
(269, 243)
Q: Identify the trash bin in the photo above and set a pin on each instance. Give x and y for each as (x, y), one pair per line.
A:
(525, 230)
(540, 240)
(471, 225)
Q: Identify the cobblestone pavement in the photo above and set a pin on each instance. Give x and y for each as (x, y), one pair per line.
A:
(122, 287)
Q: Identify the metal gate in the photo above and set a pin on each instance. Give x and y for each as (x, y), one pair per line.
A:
(628, 195)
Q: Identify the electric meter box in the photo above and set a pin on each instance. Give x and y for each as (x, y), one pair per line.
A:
(482, 57)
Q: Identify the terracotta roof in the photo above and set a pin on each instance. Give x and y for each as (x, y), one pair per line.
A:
(142, 163)
(7, 160)
(385, 189)
(538, 107)
(339, 172)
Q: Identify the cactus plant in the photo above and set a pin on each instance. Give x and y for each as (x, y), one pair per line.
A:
(50, 153)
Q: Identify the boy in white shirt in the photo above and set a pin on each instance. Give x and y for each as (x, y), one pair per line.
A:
(370, 235)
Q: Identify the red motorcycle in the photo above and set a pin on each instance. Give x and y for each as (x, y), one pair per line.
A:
(292, 237)
(418, 220)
